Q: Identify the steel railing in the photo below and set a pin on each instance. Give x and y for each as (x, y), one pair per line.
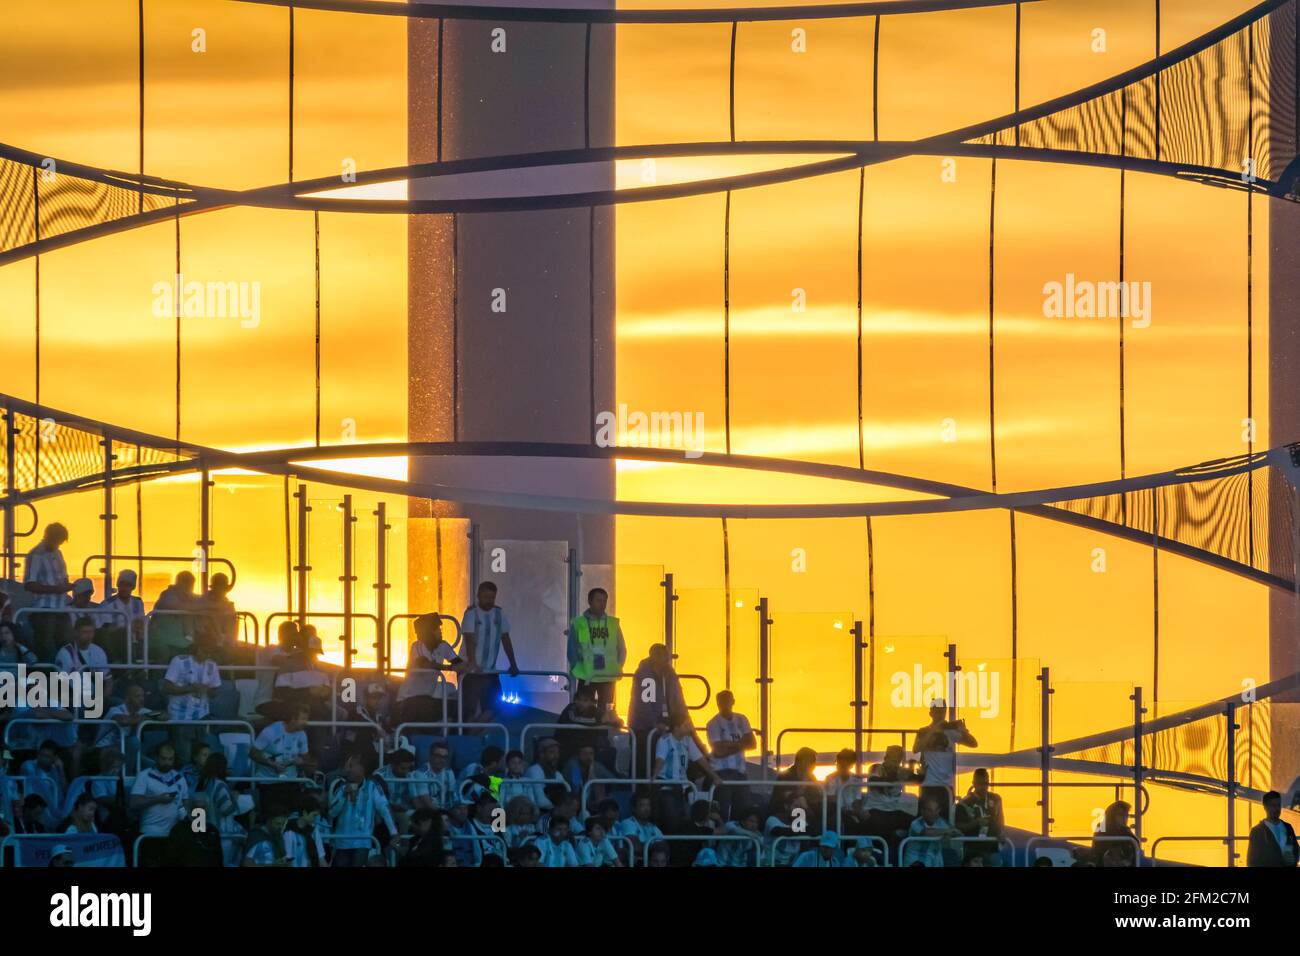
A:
(1032, 845)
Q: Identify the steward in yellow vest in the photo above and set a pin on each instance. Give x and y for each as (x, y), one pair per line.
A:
(596, 650)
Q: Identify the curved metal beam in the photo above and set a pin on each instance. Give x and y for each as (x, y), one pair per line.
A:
(851, 154)
(427, 10)
(945, 497)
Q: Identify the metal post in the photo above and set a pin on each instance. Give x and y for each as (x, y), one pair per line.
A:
(11, 494)
(669, 597)
(348, 579)
(205, 525)
(475, 554)
(858, 703)
(1231, 716)
(381, 586)
(1045, 751)
(108, 516)
(575, 573)
(950, 687)
(302, 568)
(1138, 711)
(764, 682)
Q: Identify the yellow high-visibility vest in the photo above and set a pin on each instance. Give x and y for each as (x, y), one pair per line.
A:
(585, 669)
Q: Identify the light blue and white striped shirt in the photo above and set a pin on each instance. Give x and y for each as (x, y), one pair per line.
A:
(354, 814)
(556, 854)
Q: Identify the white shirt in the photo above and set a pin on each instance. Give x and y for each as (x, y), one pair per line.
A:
(281, 747)
(731, 729)
(677, 755)
(1278, 829)
(538, 794)
(421, 677)
(487, 628)
(159, 819)
(881, 794)
(941, 765)
(133, 609)
(183, 670)
(45, 566)
(71, 659)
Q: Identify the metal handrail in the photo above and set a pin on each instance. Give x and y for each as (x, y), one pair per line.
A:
(167, 558)
(625, 781)
(866, 732)
(77, 722)
(187, 723)
(610, 729)
(1031, 846)
(708, 688)
(135, 847)
(692, 838)
(481, 838)
(857, 786)
(329, 837)
(257, 627)
(884, 847)
(393, 618)
(161, 612)
(445, 724)
(76, 612)
(1000, 840)
(1114, 784)
(1226, 840)
(685, 784)
(332, 615)
(72, 612)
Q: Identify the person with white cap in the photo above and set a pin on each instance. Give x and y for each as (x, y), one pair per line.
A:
(83, 590)
(125, 612)
(82, 601)
(61, 855)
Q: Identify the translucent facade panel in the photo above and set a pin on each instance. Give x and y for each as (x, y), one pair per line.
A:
(804, 79)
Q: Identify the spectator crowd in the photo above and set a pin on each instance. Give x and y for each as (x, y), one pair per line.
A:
(329, 776)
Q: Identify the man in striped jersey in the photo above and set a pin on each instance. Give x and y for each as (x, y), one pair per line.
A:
(46, 576)
(354, 807)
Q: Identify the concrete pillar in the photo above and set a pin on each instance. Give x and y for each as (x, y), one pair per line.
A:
(511, 315)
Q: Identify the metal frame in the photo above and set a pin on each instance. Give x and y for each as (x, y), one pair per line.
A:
(1032, 844)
